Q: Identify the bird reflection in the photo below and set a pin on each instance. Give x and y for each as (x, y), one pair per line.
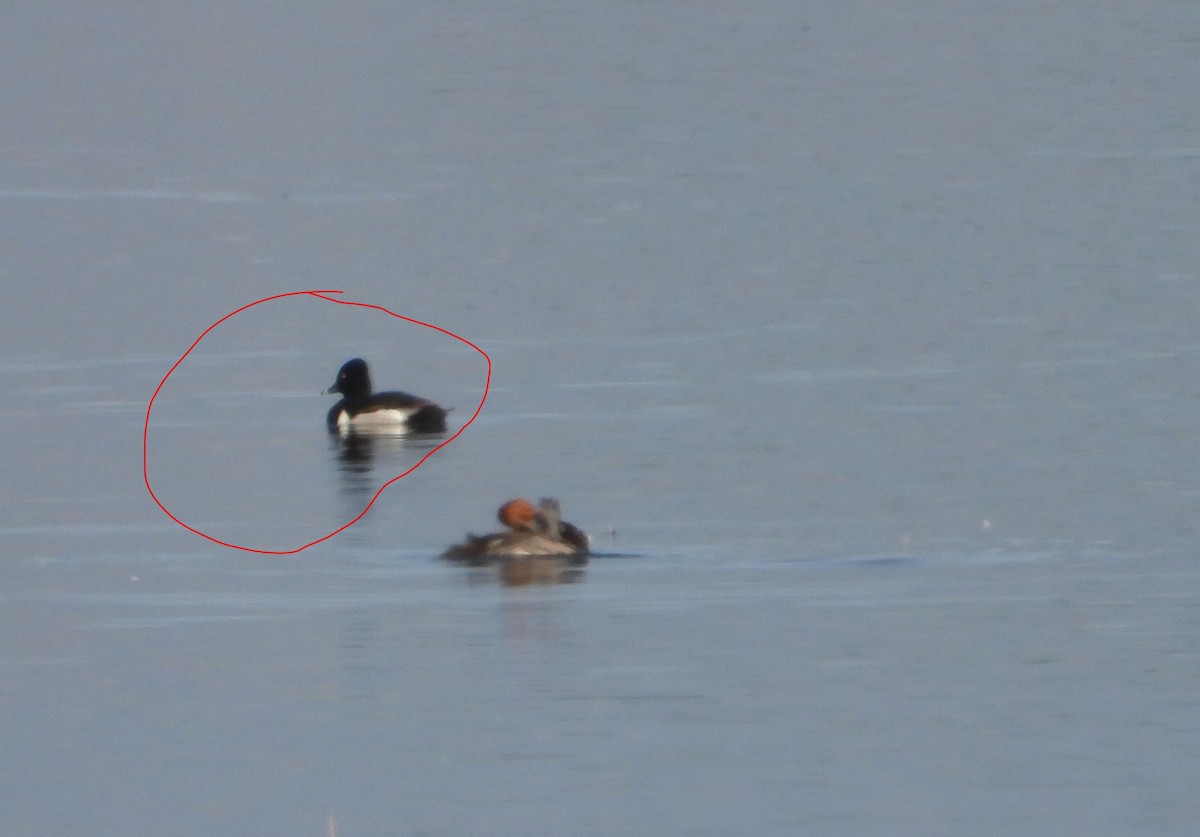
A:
(357, 452)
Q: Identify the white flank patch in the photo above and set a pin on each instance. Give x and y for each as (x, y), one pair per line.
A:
(390, 419)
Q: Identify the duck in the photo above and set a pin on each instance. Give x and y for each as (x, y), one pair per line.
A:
(362, 409)
(537, 543)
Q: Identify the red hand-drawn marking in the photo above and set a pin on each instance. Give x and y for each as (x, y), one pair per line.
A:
(317, 295)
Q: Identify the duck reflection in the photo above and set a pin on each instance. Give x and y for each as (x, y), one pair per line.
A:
(357, 452)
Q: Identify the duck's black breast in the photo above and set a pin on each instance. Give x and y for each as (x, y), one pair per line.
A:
(331, 418)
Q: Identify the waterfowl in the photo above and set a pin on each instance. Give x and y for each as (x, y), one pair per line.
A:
(530, 532)
(362, 409)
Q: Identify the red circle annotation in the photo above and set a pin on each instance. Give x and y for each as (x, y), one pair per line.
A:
(324, 295)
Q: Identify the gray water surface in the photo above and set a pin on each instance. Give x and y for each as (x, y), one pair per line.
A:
(862, 340)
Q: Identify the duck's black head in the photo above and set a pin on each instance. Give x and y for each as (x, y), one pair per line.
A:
(353, 380)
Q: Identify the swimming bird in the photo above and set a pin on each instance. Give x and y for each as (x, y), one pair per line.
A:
(530, 533)
(361, 409)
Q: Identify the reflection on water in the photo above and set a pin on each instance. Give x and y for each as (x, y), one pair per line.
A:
(358, 453)
(527, 571)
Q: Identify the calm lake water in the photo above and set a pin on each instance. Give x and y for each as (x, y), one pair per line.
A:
(863, 340)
